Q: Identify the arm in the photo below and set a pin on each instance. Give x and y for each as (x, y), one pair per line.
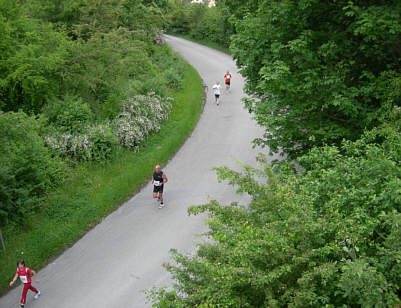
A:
(35, 276)
(153, 180)
(164, 179)
(14, 279)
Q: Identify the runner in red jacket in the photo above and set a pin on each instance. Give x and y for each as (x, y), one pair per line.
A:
(227, 79)
(24, 273)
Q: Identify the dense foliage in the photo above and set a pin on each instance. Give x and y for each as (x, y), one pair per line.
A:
(102, 52)
(76, 66)
(328, 236)
(318, 71)
(199, 21)
(28, 169)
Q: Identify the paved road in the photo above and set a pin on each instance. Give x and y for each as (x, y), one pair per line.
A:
(124, 254)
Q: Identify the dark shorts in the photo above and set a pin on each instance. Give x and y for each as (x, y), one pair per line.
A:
(228, 82)
(217, 95)
(158, 189)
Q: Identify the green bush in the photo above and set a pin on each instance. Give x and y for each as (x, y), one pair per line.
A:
(174, 78)
(101, 67)
(68, 115)
(28, 170)
(32, 59)
(103, 142)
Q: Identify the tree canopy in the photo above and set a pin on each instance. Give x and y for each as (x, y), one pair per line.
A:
(318, 71)
(87, 48)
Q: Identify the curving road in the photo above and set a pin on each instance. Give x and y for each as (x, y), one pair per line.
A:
(124, 254)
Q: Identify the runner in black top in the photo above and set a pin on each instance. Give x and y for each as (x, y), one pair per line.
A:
(158, 181)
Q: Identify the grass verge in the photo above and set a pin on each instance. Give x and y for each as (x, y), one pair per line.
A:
(94, 190)
(207, 43)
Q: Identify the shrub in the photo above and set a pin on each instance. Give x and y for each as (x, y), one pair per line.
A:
(27, 167)
(174, 78)
(68, 145)
(95, 144)
(32, 59)
(103, 142)
(68, 115)
(140, 115)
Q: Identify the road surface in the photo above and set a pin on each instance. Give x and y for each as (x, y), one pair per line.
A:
(111, 265)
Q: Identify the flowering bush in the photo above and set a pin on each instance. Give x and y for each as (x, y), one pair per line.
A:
(95, 144)
(140, 115)
(76, 146)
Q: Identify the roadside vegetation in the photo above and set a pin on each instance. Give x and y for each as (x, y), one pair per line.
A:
(199, 23)
(90, 100)
(324, 79)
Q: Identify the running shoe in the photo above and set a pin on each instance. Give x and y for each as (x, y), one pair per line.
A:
(37, 295)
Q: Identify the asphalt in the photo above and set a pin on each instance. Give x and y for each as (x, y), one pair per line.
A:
(123, 255)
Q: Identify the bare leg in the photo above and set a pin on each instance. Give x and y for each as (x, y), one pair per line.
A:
(161, 197)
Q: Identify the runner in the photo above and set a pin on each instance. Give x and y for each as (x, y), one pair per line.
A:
(227, 78)
(158, 181)
(24, 273)
(216, 90)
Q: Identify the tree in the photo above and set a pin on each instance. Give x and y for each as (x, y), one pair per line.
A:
(317, 71)
(326, 237)
(33, 57)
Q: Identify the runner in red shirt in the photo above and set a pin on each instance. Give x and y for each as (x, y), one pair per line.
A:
(24, 273)
(227, 78)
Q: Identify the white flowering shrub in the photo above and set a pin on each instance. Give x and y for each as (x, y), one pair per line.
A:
(140, 116)
(68, 145)
(95, 144)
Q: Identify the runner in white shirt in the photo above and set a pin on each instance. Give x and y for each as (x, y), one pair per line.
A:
(217, 93)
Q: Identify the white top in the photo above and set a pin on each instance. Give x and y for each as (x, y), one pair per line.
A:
(216, 89)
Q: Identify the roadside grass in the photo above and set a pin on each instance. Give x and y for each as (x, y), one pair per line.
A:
(207, 43)
(94, 190)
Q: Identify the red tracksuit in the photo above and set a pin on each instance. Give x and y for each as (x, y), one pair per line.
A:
(25, 276)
